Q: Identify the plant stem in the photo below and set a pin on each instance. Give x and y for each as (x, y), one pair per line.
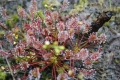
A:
(10, 68)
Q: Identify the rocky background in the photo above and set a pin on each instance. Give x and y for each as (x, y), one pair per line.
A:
(109, 66)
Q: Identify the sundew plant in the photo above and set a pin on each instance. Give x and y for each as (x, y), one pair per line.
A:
(49, 46)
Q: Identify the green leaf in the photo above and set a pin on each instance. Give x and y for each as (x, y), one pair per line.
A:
(107, 24)
(40, 14)
(2, 75)
(80, 76)
(110, 5)
(9, 24)
(12, 21)
(15, 18)
(2, 33)
(57, 51)
(60, 70)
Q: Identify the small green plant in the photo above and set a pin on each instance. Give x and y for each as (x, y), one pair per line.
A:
(79, 7)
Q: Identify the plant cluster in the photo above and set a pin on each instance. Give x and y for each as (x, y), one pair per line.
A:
(44, 46)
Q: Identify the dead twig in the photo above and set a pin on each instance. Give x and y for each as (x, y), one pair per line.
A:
(2, 25)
